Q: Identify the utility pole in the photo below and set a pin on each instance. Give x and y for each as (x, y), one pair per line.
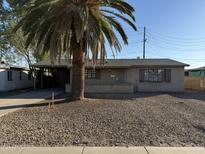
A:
(144, 43)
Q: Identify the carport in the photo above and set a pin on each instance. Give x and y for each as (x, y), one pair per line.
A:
(48, 77)
(52, 75)
(53, 78)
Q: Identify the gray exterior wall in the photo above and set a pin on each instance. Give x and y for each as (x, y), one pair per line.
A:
(109, 88)
(107, 79)
(176, 84)
(110, 81)
(127, 81)
(16, 83)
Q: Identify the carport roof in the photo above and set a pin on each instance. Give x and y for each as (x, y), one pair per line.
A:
(117, 63)
(3, 66)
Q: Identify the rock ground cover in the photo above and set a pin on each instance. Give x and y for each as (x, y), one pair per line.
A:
(124, 120)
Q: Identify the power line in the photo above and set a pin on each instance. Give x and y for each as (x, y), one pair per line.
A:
(169, 46)
(176, 49)
(176, 38)
(154, 53)
(154, 42)
(175, 43)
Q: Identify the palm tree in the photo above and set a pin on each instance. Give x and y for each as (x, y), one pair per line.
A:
(77, 27)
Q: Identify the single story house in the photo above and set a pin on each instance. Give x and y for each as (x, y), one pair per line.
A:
(14, 78)
(117, 75)
(196, 72)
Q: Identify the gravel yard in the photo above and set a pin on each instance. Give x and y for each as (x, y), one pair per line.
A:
(124, 120)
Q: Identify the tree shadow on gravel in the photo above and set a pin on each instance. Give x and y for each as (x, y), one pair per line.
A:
(200, 128)
(190, 95)
(66, 98)
(182, 95)
(123, 96)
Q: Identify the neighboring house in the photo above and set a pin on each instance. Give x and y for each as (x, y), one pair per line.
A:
(117, 75)
(13, 78)
(197, 72)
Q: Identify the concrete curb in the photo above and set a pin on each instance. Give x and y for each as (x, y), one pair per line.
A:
(102, 150)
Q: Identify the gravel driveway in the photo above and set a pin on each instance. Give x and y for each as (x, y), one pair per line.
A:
(134, 120)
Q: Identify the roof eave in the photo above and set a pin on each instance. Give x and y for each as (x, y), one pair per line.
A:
(140, 66)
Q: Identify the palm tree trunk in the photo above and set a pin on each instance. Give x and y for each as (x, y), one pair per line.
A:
(78, 71)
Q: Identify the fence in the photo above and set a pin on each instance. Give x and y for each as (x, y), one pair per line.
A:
(195, 83)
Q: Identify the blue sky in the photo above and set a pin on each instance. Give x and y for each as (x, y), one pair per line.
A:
(175, 29)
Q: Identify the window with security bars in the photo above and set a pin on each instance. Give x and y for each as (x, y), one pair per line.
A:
(155, 75)
(90, 74)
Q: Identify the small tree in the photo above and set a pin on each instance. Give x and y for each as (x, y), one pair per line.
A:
(3, 41)
(76, 27)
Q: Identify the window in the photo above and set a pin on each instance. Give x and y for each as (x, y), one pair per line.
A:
(9, 75)
(20, 75)
(155, 75)
(90, 74)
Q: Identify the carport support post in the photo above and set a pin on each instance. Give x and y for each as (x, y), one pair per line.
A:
(34, 83)
(34, 76)
(71, 72)
(41, 78)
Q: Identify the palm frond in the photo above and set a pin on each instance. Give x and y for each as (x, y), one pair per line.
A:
(58, 26)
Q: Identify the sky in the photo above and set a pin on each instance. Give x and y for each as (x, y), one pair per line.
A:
(175, 29)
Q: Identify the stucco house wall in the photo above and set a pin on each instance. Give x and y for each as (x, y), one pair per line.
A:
(126, 76)
(128, 81)
(176, 84)
(16, 83)
(110, 81)
(122, 89)
(2, 81)
(108, 76)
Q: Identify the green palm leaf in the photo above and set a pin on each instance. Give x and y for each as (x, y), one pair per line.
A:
(75, 27)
